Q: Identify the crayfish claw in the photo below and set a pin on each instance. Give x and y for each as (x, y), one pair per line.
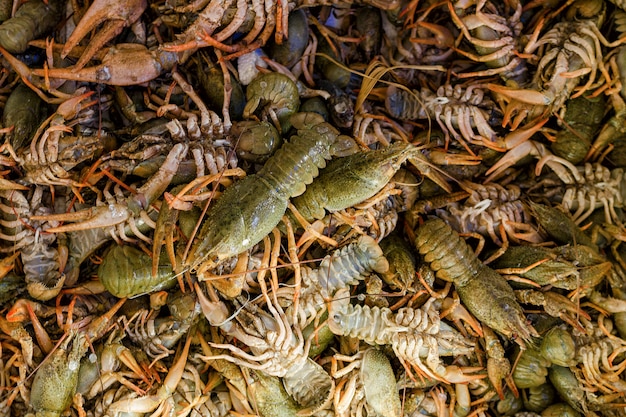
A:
(123, 65)
(31, 79)
(72, 106)
(460, 375)
(428, 170)
(525, 96)
(118, 14)
(164, 234)
(519, 136)
(459, 313)
(446, 158)
(498, 366)
(509, 159)
(45, 291)
(7, 264)
(555, 305)
(95, 217)
(564, 169)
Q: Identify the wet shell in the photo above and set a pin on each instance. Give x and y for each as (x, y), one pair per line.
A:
(127, 272)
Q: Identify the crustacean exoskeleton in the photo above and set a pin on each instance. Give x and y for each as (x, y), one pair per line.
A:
(252, 207)
(126, 271)
(572, 391)
(381, 4)
(364, 191)
(276, 95)
(488, 208)
(495, 36)
(573, 50)
(560, 226)
(413, 334)
(116, 158)
(580, 125)
(17, 332)
(161, 398)
(614, 127)
(56, 379)
(340, 269)
(129, 64)
(461, 113)
(564, 169)
(23, 111)
(95, 377)
(368, 381)
(51, 154)
(484, 292)
(124, 64)
(119, 211)
(350, 180)
(41, 259)
(402, 262)
(600, 187)
(278, 349)
(594, 187)
(562, 267)
(270, 396)
(31, 20)
(116, 14)
(158, 335)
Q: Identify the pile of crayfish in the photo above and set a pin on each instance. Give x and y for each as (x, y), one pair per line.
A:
(312, 208)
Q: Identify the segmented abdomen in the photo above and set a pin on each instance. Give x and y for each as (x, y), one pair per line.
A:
(32, 19)
(373, 325)
(156, 336)
(600, 187)
(300, 380)
(127, 272)
(81, 245)
(425, 319)
(39, 255)
(14, 208)
(619, 20)
(278, 90)
(346, 266)
(413, 333)
(41, 268)
(411, 347)
(446, 252)
(298, 161)
(488, 207)
(403, 105)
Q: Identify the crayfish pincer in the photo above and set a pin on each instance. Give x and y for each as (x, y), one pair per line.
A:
(252, 207)
(484, 292)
